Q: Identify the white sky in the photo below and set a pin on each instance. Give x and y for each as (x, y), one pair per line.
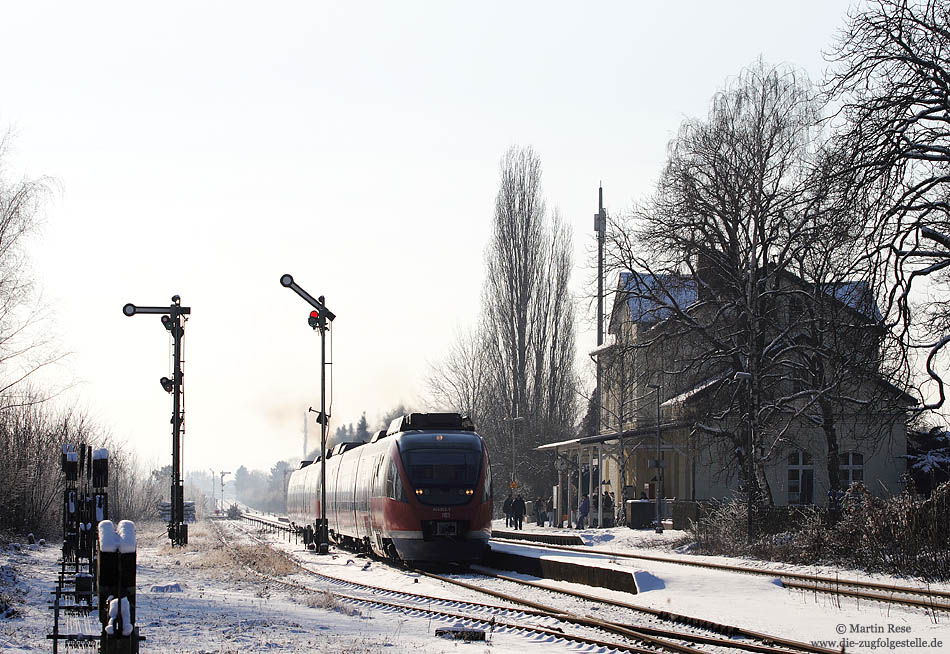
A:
(204, 149)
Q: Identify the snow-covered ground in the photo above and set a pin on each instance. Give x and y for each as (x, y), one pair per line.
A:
(675, 544)
(755, 602)
(218, 607)
(195, 599)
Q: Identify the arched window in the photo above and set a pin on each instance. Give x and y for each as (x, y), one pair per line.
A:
(801, 478)
(850, 468)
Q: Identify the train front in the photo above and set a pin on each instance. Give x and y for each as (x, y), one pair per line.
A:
(449, 484)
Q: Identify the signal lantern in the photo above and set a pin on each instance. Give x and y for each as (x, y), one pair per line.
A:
(314, 319)
(166, 384)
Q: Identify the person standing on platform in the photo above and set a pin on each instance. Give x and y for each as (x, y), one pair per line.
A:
(517, 512)
(582, 512)
(507, 509)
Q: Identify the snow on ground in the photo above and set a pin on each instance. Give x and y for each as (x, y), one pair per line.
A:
(674, 543)
(197, 600)
(751, 601)
(223, 609)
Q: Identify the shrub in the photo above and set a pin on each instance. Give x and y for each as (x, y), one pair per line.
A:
(905, 534)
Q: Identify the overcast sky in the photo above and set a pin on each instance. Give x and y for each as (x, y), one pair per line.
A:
(205, 149)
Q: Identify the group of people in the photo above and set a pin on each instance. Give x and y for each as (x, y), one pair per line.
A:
(515, 509)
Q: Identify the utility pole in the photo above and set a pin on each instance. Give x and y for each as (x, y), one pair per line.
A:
(513, 484)
(172, 320)
(223, 473)
(319, 319)
(213, 505)
(658, 464)
(600, 226)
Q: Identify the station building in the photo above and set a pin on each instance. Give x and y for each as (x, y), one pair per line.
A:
(666, 398)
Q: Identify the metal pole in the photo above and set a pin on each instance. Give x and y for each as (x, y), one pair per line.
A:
(178, 500)
(600, 226)
(658, 522)
(213, 505)
(512, 454)
(324, 545)
(171, 320)
(318, 320)
(600, 486)
(659, 469)
(514, 421)
(557, 519)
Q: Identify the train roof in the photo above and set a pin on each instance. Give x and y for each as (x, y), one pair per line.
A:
(431, 422)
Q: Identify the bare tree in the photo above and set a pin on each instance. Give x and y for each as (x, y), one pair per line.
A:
(459, 381)
(23, 348)
(715, 241)
(527, 338)
(740, 261)
(892, 81)
(841, 361)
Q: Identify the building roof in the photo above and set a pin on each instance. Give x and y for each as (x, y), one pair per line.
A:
(695, 390)
(857, 295)
(603, 438)
(640, 290)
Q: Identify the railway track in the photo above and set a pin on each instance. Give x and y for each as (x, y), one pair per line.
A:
(494, 618)
(930, 599)
(699, 632)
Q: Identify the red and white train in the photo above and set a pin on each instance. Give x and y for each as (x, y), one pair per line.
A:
(419, 492)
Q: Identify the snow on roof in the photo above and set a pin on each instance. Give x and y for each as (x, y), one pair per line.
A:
(643, 290)
(857, 295)
(650, 296)
(609, 341)
(700, 387)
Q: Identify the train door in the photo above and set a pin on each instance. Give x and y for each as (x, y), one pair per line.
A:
(377, 503)
(334, 496)
(357, 494)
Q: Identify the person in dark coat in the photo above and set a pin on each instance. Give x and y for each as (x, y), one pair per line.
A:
(540, 511)
(517, 512)
(506, 507)
(582, 512)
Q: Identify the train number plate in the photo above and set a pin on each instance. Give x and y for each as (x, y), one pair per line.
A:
(446, 528)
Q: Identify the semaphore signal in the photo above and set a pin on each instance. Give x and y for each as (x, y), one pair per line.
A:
(319, 318)
(172, 321)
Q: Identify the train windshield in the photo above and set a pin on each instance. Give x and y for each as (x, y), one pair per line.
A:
(436, 467)
(442, 468)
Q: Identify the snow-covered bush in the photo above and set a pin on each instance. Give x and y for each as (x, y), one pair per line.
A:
(906, 534)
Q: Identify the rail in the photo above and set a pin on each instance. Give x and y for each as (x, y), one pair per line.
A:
(815, 583)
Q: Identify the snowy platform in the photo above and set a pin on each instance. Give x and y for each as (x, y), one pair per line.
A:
(540, 537)
(592, 570)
